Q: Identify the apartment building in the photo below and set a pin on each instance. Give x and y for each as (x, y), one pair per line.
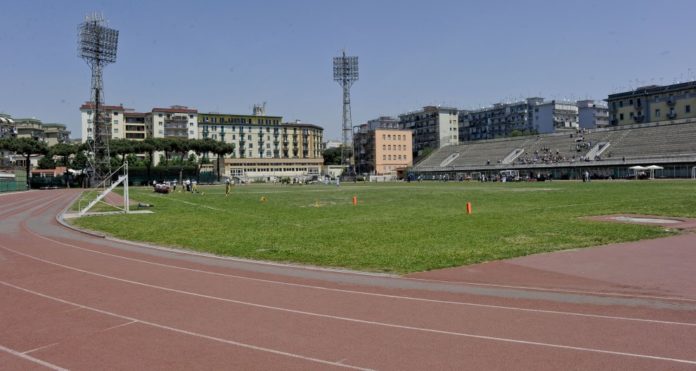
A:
(592, 114)
(29, 128)
(136, 125)
(530, 116)
(56, 133)
(553, 116)
(173, 122)
(265, 146)
(8, 129)
(499, 121)
(382, 150)
(653, 103)
(432, 127)
(111, 116)
(383, 122)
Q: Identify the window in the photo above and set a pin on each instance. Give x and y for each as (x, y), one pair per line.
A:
(384, 137)
(657, 113)
(251, 145)
(687, 108)
(621, 117)
(249, 137)
(384, 147)
(620, 103)
(384, 157)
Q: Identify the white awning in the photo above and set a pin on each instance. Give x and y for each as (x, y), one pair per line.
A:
(654, 167)
(638, 167)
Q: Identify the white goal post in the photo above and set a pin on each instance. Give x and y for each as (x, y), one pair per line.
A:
(106, 187)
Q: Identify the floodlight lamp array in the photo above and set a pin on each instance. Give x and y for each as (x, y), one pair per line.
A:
(345, 69)
(97, 43)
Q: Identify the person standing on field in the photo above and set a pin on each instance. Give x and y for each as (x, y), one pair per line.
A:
(228, 185)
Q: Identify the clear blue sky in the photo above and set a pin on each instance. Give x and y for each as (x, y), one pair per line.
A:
(226, 56)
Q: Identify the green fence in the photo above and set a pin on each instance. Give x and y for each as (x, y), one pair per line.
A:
(18, 183)
(138, 176)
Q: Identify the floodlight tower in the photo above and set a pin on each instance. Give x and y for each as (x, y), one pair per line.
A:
(97, 45)
(345, 71)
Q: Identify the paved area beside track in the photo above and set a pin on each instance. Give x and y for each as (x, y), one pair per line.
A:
(74, 301)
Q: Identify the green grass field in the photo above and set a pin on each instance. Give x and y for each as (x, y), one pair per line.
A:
(398, 227)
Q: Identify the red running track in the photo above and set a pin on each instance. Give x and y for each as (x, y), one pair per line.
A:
(74, 301)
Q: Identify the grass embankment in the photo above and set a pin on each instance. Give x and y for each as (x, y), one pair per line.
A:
(398, 227)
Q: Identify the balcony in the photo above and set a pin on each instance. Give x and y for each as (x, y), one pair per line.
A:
(175, 126)
(176, 134)
(176, 119)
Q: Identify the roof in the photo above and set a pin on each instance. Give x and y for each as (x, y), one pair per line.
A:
(175, 110)
(239, 115)
(135, 113)
(90, 105)
(300, 124)
(654, 89)
(54, 125)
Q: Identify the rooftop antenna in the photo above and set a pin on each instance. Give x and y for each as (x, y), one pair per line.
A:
(345, 71)
(97, 46)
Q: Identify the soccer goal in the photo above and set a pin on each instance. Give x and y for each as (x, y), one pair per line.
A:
(104, 195)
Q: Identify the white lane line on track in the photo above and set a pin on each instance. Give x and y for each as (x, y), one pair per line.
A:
(174, 329)
(32, 359)
(12, 209)
(348, 319)
(478, 305)
(562, 291)
(118, 326)
(39, 348)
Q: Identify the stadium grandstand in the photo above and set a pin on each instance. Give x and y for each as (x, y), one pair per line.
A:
(604, 153)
